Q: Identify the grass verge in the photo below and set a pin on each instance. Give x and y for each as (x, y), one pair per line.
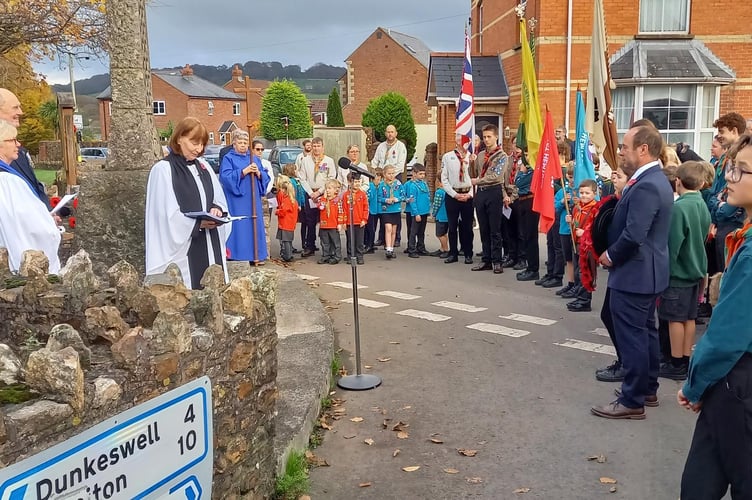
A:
(46, 176)
(294, 482)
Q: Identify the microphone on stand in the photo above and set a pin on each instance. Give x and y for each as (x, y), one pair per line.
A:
(345, 163)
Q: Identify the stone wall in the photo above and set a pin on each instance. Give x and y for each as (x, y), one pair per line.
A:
(84, 351)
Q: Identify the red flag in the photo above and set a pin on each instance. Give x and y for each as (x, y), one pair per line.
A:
(547, 168)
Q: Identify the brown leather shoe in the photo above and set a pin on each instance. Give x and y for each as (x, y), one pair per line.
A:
(617, 411)
(497, 268)
(651, 400)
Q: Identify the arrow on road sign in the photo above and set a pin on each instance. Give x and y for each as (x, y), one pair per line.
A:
(189, 487)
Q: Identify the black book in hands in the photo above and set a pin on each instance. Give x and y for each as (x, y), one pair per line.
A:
(213, 218)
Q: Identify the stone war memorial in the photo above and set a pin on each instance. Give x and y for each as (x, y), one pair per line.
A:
(77, 349)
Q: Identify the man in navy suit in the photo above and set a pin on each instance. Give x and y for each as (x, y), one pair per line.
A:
(10, 111)
(637, 258)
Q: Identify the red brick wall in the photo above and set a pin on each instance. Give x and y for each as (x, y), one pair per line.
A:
(379, 66)
(729, 40)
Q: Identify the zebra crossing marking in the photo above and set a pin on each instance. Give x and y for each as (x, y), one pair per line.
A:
(429, 316)
(498, 330)
(588, 346)
(458, 306)
(529, 319)
(373, 304)
(602, 332)
(307, 277)
(344, 284)
(398, 295)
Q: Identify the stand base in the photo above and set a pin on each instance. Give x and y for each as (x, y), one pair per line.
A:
(361, 382)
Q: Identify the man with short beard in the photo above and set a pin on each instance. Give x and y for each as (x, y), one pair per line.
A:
(305, 154)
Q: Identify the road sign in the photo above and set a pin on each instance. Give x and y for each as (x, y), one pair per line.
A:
(159, 449)
(78, 121)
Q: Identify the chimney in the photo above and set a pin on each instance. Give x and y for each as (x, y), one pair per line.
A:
(187, 70)
(237, 73)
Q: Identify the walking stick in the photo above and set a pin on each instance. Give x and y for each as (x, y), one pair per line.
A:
(254, 216)
(566, 207)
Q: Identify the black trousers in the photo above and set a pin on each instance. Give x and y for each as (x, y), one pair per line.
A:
(510, 239)
(555, 266)
(488, 205)
(527, 227)
(664, 340)
(408, 223)
(416, 241)
(311, 218)
(464, 228)
(721, 453)
(608, 322)
(359, 238)
(370, 233)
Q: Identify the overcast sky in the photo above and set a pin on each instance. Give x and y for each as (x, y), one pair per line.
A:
(289, 31)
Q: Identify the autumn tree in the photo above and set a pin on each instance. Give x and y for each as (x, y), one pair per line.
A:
(334, 116)
(284, 100)
(52, 26)
(392, 109)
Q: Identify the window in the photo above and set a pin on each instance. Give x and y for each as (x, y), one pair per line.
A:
(211, 137)
(236, 108)
(159, 107)
(682, 113)
(109, 107)
(664, 16)
(210, 104)
(222, 138)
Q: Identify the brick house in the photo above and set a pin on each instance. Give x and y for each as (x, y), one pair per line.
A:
(680, 63)
(177, 94)
(389, 61)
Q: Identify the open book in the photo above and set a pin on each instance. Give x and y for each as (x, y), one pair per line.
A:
(213, 218)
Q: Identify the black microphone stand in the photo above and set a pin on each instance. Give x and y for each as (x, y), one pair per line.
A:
(359, 381)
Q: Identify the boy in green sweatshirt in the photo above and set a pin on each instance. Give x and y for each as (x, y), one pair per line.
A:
(688, 263)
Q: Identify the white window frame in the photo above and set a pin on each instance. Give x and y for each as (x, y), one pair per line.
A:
(210, 105)
(236, 109)
(211, 137)
(155, 105)
(109, 107)
(698, 130)
(682, 32)
(222, 138)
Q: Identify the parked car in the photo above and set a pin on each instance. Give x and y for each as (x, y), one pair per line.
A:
(211, 155)
(95, 155)
(282, 155)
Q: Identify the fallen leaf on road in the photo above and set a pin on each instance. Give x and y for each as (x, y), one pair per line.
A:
(474, 480)
(399, 426)
(451, 471)
(347, 324)
(467, 453)
(406, 407)
(437, 441)
(608, 480)
(356, 419)
(521, 490)
(367, 367)
(402, 435)
(314, 460)
(324, 425)
(304, 497)
(386, 423)
(612, 489)
(396, 452)
(394, 342)
(364, 485)
(601, 459)
(349, 436)
(343, 372)
(384, 360)
(412, 468)
(369, 441)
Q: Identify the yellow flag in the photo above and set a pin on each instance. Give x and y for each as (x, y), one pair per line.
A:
(530, 113)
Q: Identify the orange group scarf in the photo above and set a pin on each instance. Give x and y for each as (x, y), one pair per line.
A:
(735, 239)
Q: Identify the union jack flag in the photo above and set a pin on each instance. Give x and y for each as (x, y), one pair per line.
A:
(465, 118)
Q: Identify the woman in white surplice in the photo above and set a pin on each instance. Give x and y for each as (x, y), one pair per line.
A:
(25, 223)
(182, 183)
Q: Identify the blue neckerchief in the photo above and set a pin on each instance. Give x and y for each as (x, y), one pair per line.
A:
(7, 168)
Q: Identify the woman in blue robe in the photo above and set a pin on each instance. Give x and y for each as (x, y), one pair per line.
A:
(238, 172)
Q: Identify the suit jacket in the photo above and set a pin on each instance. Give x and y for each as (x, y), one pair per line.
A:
(638, 235)
(23, 166)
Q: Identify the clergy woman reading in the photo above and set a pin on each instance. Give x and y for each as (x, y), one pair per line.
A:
(25, 223)
(245, 180)
(182, 183)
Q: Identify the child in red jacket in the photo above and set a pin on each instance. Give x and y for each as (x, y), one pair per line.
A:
(360, 216)
(287, 216)
(330, 223)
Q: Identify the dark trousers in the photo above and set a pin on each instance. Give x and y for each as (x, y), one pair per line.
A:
(608, 322)
(285, 250)
(359, 238)
(721, 454)
(369, 237)
(416, 241)
(397, 238)
(457, 210)
(488, 205)
(664, 340)
(637, 337)
(722, 231)
(408, 223)
(331, 244)
(582, 293)
(510, 238)
(311, 219)
(555, 266)
(527, 227)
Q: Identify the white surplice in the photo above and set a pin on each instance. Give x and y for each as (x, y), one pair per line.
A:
(25, 223)
(168, 231)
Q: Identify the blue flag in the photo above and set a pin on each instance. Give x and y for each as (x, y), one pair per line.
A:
(583, 164)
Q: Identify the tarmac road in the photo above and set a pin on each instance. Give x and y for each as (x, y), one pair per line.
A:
(511, 392)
